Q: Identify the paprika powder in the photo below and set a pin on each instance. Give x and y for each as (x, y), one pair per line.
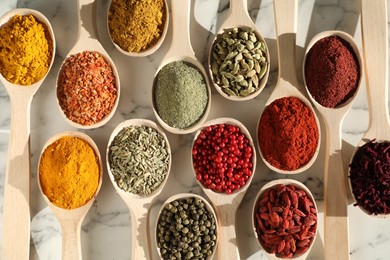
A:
(288, 133)
(332, 71)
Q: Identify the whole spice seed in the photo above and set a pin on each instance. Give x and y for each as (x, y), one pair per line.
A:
(26, 50)
(239, 61)
(222, 158)
(180, 94)
(69, 172)
(332, 71)
(286, 221)
(86, 88)
(370, 177)
(288, 133)
(136, 25)
(139, 159)
(186, 229)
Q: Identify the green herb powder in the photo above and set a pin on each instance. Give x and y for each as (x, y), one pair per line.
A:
(139, 159)
(180, 94)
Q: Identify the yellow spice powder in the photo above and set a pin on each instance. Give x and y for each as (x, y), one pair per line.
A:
(69, 172)
(25, 50)
(136, 25)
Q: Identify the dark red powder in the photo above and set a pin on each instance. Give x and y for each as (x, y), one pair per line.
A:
(332, 71)
(288, 133)
(370, 177)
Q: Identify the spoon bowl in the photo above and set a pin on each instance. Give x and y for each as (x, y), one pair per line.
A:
(287, 85)
(16, 209)
(375, 51)
(335, 180)
(87, 40)
(255, 210)
(182, 196)
(150, 50)
(239, 18)
(181, 50)
(71, 219)
(226, 204)
(138, 205)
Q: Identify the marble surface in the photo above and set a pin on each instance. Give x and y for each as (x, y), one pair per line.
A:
(106, 231)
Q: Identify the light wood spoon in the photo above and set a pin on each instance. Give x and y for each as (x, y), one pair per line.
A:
(239, 17)
(16, 209)
(138, 205)
(181, 50)
(71, 219)
(181, 196)
(374, 32)
(287, 84)
(335, 179)
(255, 210)
(87, 40)
(152, 49)
(226, 205)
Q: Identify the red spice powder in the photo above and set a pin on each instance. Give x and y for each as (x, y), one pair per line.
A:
(86, 88)
(288, 133)
(332, 71)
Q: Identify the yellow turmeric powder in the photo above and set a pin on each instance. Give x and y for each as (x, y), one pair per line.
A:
(25, 50)
(136, 25)
(69, 172)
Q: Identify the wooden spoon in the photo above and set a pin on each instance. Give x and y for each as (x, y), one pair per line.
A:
(16, 209)
(239, 17)
(374, 32)
(335, 180)
(255, 209)
(152, 49)
(181, 50)
(138, 205)
(71, 219)
(87, 40)
(226, 205)
(185, 196)
(287, 84)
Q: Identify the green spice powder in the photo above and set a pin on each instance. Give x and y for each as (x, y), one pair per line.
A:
(180, 94)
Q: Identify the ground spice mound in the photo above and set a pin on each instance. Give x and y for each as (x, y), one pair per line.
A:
(136, 25)
(370, 177)
(332, 71)
(288, 133)
(26, 50)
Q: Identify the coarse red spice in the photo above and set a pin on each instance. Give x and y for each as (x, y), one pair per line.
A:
(288, 133)
(332, 71)
(222, 158)
(285, 220)
(370, 177)
(86, 88)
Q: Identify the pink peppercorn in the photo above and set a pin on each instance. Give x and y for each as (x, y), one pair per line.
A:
(222, 158)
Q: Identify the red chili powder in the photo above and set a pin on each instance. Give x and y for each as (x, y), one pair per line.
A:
(370, 177)
(288, 133)
(332, 71)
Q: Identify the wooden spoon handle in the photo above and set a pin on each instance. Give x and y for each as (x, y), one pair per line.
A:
(71, 243)
(181, 43)
(16, 209)
(286, 27)
(140, 245)
(238, 13)
(227, 245)
(336, 215)
(374, 34)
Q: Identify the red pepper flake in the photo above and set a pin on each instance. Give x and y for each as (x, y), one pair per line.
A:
(286, 221)
(86, 88)
(222, 158)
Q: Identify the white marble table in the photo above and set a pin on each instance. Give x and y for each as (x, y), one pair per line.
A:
(106, 229)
